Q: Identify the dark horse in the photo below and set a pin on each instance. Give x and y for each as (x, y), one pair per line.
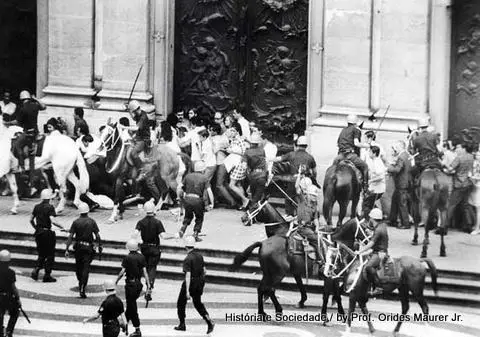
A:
(432, 198)
(341, 184)
(163, 162)
(411, 273)
(276, 262)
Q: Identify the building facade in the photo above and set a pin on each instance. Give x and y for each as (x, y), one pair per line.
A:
(416, 56)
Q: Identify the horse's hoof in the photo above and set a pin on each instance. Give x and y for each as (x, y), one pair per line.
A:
(300, 305)
(14, 211)
(423, 255)
(443, 254)
(414, 243)
(111, 220)
(120, 217)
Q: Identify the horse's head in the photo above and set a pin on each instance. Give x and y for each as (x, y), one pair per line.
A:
(109, 136)
(332, 261)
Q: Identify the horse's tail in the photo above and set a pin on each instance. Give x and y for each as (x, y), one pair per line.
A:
(84, 179)
(433, 273)
(243, 256)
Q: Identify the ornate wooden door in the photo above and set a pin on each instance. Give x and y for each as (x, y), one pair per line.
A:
(251, 54)
(465, 86)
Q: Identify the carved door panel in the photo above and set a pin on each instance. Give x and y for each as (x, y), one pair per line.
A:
(465, 86)
(251, 54)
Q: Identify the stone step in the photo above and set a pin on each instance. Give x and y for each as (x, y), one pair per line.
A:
(450, 292)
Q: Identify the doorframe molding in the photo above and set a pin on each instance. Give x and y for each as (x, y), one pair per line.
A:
(42, 47)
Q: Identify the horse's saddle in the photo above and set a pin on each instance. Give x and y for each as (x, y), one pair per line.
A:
(298, 245)
(388, 271)
(354, 168)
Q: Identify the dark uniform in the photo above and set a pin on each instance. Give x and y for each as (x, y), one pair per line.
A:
(150, 228)
(307, 212)
(257, 177)
(194, 264)
(400, 198)
(142, 137)
(297, 158)
(380, 244)
(9, 300)
(194, 185)
(27, 118)
(463, 165)
(133, 263)
(110, 309)
(45, 238)
(348, 151)
(83, 229)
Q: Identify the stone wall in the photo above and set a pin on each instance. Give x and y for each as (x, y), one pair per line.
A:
(368, 55)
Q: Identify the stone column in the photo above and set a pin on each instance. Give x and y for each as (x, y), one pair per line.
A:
(440, 54)
(162, 34)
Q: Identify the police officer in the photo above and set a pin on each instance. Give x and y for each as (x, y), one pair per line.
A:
(142, 131)
(195, 184)
(134, 266)
(349, 145)
(27, 118)
(43, 216)
(257, 167)
(9, 298)
(379, 245)
(150, 228)
(308, 213)
(192, 286)
(299, 158)
(112, 312)
(83, 230)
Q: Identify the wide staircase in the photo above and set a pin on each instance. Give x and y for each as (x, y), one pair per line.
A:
(454, 287)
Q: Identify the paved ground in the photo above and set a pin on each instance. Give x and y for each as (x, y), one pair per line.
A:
(224, 230)
(55, 311)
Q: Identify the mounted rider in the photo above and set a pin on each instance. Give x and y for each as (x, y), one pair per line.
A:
(308, 213)
(349, 147)
(424, 145)
(27, 118)
(141, 140)
(379, 246)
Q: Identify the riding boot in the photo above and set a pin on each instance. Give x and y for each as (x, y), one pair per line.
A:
(210, 324)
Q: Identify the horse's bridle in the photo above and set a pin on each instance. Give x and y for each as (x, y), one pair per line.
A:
(109, 137)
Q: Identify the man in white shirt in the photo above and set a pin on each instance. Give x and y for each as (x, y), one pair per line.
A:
(376, 180)
(244, 124)
(6, 106)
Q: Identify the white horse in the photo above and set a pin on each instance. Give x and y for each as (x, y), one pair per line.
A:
(8, 163)
(59, 150)
(62, 152)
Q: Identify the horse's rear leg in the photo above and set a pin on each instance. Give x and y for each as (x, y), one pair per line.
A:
(303, 292)
(62, 189)
(12, 182)
(260, 293)
(355, 201)
(278, 306)
(76, 183)
(426, 241)
(443, 228)
(403, 293)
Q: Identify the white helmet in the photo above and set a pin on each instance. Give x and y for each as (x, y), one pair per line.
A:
(149, 207)
(109, 286)
(24, 94)
(302, 141)
(133, 105)
(83, 208)
(424, 122)
(132, 245)
(352, 119)
(376, 214)
(5, 256)
(46, 194)
(189, 241)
